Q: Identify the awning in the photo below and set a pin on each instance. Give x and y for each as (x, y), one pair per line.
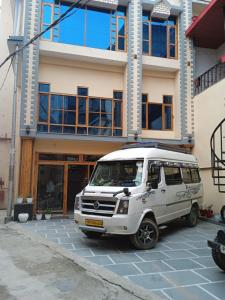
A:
(207, 30)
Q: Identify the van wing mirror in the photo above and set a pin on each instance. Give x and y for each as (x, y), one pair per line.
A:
(149, 186)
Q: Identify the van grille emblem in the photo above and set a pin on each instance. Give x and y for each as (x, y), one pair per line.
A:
(96, 205)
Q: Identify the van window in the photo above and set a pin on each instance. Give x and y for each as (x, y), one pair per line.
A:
(195, 175)
(154, 175)
(172, 175)
(186, 172)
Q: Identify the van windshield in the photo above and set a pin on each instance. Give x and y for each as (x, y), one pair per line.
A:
(118, 173)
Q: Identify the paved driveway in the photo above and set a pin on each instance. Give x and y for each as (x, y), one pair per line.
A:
(180, 267)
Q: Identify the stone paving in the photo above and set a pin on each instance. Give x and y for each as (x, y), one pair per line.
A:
(180, 267)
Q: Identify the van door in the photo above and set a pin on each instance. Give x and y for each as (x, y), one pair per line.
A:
(177, 200)
(156, 198)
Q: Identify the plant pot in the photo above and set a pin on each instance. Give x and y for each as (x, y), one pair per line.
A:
(23, 217)
(29, 200)
(209, 214)
(19, 200)
(38, 217)
(203, 212)
(48, 216)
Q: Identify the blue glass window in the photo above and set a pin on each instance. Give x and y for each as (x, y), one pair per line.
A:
(106, 106)
(98, 28)
(94, 105)
(69, 103)
(106, 120)
(167, 99)
(155, 116)
(82, 91)
(44, 87)
(42, 128)
(117, 114)
(94, 119)
(56, 102)
(168, 117)
(82, 111)
(43, 108)
(144, 116)
(69, 118)
(159, 39)
(118, 95)
(56, 117)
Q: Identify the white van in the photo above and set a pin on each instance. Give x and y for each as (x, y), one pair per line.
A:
(134, 190)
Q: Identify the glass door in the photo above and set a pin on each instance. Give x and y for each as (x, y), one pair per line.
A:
(50, 187)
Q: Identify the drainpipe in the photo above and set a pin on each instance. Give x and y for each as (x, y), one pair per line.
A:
(11, 179)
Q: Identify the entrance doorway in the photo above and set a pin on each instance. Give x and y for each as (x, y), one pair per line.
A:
(77, 180)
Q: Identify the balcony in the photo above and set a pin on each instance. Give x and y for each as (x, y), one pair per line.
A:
(209, 78)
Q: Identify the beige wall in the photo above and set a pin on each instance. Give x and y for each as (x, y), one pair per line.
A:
(209, 111)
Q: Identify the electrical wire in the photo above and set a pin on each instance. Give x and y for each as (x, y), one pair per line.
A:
(65, 15)
(4, 80)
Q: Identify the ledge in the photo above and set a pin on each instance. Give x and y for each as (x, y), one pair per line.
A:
(85, 54)
(160, 64)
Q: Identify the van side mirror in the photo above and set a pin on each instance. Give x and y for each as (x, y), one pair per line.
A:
(126, 192)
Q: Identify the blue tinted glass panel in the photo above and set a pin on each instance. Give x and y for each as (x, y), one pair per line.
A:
(168, 117)
(106, 131)
(118, 95)
(117, 132)
(145, 15)
(145, 47)
(117, 114)
(106, 120)
(106, 106)
(42, 128)
(121, 26)
(44, 87)
(47, 34)
(159, 40)
(81, 91)
(56, 117)
(167, 99)
(68, 129)
(72, 28)
(121, 11)
(172, 35)
(94, 105)
(94, 131)
(69, 117)
(48, 1)
(69, 103)
(81, 130)
(82, 112)
(121, 43)
(144, 116)
(172, 51)
(171, 21)
(56, 102)
(47, 14)
(98, 28)
(146, 31)
(94, 119)
(155, 116)
(57, 129)
(43, 109)
(144, 97)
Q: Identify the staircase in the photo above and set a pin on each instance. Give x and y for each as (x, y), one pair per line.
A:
(217, 144)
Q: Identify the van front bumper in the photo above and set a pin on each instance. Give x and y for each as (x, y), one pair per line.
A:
(117, 224)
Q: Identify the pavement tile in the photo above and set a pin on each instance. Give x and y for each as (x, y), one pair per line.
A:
(150, 281)
(102, 260)
(65, 240)
(201, 252)
(198, 244)
(212, 274)
(102, 251)
(152, 255)
(182, 264)
(67, 246)
(124, 258)
(217, 289)
(153, 267)
(179, 254)
(188, 293)
(180, 278)
(158, 295)
(178, 245)
(124, 269)
(83, 252)
(205, 261)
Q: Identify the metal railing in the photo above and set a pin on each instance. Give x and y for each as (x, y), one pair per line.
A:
(209, 78)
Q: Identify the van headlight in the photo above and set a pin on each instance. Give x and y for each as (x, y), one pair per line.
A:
(123, 207)
(77, 203)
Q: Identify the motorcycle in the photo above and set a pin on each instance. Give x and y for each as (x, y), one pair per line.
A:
(218, 249)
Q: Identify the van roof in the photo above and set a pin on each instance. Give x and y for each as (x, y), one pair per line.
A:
(151, 153)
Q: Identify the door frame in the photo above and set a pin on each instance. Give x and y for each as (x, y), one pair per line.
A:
(37, 162)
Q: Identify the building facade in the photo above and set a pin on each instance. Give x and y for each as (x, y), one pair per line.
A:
(113, 72)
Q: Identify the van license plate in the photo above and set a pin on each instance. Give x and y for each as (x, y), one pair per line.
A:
(222, 249)
(95, 223)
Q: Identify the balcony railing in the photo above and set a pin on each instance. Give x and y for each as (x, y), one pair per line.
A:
(209, 78)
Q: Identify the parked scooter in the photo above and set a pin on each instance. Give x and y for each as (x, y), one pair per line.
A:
(218, 249)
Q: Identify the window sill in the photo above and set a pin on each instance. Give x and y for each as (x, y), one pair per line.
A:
(160, 64)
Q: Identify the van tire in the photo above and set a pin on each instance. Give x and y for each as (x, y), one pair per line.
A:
(222, 213)
(147, 235)
(219, 258)
(92, 234)
(192, 218)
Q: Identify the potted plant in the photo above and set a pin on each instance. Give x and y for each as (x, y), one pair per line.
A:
(19, 199)
(209, 212)
(48, 214)
(38, 216)
(23, 217)
(29, 199)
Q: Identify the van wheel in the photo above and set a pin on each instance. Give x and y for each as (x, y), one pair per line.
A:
(147, 235)
(219, 258)
(92, 234)
(192, 218)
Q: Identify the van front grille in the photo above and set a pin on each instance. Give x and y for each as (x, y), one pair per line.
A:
(102, 206)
